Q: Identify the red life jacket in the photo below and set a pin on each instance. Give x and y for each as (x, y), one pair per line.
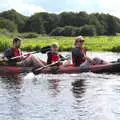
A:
(55, 57)
(77, 60)
(17, 52)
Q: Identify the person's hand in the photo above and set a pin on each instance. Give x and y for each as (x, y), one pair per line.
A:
(94, 62)
(29, 54)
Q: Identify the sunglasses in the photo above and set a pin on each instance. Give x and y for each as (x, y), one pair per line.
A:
(81, 41)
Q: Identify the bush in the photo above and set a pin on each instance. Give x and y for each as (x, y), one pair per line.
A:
(116, 49)
(88, 30)
(57, 31)
(4, 32)
(66, 31)
(29, 35)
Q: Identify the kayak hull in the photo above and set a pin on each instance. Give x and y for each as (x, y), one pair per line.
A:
(107, 68)
(14, 69)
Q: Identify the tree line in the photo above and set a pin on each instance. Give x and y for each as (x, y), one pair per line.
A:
(63, 24)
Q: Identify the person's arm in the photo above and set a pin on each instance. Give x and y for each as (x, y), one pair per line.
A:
(88, 58)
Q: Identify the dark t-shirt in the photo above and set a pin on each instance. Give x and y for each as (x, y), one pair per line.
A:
(78, 56)
(77, 52)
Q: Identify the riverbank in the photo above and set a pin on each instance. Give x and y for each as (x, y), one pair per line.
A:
(97, 43)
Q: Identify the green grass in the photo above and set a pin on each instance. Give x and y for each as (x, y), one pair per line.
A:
(98, 43)
(5, 42)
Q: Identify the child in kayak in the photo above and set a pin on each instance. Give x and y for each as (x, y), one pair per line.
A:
(28, 60)
(54, 56)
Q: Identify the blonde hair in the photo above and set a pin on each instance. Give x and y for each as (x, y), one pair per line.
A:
(78, 38)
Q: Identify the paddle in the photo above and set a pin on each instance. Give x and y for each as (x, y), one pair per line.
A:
(37, 71)
(42, 50)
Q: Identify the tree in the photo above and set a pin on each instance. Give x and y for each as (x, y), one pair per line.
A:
(93, 20)
(8, 25)
(15, 17)
(88, 30)
(57, 32)
(41, 23)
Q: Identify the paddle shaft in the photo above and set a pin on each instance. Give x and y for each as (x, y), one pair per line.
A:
(36, 71)
(42, 50)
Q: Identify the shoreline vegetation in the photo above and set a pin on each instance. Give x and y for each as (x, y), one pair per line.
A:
(96, 43)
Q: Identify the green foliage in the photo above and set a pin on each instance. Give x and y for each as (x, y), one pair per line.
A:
(7, 24)
(97, 43)
(73, 19)
(116, 49)
(15, 17)
(41, 23)
(88, 30)
(29, 35)
(4, 42)
(57, 31)
(55, 24)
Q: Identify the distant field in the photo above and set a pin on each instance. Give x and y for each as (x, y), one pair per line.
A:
(98, 43)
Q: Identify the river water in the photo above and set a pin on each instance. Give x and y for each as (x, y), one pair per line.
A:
(84, 96)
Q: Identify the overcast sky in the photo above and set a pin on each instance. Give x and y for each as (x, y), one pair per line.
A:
(29, 7)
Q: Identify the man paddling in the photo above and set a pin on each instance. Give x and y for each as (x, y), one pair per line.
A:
(28, 60)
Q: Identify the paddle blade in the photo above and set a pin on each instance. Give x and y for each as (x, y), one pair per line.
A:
(45, 49)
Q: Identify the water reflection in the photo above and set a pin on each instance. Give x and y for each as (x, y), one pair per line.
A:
(11, 106)
(78, 88)
(53, 86)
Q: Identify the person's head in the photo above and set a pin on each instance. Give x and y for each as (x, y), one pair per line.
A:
(55, 47)
(79, 41)
(17, 42)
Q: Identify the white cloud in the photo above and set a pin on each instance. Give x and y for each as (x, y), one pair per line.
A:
(110, 6)
(29, 7)
(20, 6)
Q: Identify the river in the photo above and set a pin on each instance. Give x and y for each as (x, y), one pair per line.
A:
(84, 96)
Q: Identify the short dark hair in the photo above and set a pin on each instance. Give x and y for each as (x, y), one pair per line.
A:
(16, 39)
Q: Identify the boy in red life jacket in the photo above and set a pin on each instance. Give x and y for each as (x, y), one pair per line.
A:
(79, 57)
(53, 55)
(15, 50)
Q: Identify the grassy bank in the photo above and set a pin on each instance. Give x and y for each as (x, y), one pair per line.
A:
(98, 43)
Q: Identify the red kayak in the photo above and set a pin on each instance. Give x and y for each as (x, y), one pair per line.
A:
(4, 69)
(107, 68)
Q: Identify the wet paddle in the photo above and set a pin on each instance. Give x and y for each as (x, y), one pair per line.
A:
(42, 50)
(57, 63)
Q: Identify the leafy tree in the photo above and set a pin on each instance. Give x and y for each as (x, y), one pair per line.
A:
(93, 20)
(57, 32)
(41, 23)
(15, 17)
(88, 30)
(8, 25)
